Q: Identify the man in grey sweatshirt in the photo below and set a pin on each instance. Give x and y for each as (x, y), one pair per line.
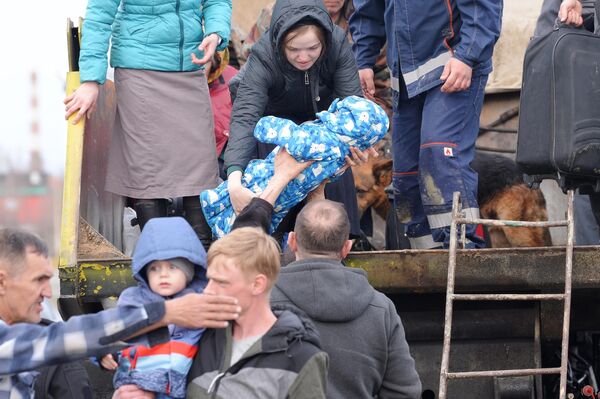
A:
(359, 326)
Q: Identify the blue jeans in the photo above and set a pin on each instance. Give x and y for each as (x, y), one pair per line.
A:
(433, 138)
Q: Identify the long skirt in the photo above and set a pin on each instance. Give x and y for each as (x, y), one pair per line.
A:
(163, 144)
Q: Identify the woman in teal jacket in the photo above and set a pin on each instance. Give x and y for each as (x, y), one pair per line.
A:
(163, 143)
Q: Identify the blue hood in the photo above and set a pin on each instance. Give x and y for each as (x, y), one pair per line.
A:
(168, 238)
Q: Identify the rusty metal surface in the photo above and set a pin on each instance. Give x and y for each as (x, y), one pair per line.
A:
(92, 245)
(93, 280)
(512, 223)
(508, 270)
(484, 270)
(508, 297)
(101, 209)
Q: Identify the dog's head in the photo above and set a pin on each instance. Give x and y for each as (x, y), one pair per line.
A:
(371, 179)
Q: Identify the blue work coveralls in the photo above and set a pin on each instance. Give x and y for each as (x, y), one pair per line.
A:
(433, 133)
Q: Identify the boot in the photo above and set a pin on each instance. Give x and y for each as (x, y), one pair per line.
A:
(192, 212)
(147, 209)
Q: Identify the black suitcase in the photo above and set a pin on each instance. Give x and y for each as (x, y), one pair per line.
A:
(559, 118)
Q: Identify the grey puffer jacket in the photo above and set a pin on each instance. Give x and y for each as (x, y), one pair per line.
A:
(269, 85)
(359, 328)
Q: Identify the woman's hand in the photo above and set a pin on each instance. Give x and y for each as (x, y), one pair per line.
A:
(239, 195)
(82, 100)
(208, 46)
(108, 362)
(360, 157)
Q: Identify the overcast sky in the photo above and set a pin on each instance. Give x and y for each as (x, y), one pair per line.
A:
(34, 40)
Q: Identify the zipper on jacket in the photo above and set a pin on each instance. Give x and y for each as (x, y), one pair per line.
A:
(177, 6)
(214, 385)
(308, 100)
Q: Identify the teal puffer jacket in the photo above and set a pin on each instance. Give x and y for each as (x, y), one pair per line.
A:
(158, 35)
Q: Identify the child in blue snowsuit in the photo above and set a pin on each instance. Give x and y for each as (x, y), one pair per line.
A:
(351, 122)
(168, 261)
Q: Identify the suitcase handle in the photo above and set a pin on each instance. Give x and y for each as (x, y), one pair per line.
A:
(558, 25)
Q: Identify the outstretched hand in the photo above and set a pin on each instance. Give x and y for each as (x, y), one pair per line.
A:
(201, 311)
(208, 46)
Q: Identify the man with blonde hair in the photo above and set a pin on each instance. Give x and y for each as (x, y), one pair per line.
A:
(264, 353)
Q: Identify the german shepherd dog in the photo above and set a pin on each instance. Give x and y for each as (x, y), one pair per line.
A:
(502, 195)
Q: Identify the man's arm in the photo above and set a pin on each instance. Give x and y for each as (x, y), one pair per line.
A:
(367, 30)
(480, 29)
(191, 311)
(28, 346)
(368, 36)
(259, 211)
(400, 380)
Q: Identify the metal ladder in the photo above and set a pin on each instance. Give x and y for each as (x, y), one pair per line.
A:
(459, 219)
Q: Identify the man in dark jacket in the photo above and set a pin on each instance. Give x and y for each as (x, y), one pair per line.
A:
(439, 55)
(265, 353)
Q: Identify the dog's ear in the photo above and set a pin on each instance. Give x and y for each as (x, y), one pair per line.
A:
(382, 170)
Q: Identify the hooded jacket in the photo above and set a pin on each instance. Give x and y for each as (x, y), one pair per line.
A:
(285, 363)
(359, 329)
(157, 35)
(422, 35)
(162, 368)
(269, 85)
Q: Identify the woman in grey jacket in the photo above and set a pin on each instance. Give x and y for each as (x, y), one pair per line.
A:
(295, 70)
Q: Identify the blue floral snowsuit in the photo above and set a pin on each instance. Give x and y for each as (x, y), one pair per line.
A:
(351, 122)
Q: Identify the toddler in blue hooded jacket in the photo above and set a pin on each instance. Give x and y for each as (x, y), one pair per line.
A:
(168, 261)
